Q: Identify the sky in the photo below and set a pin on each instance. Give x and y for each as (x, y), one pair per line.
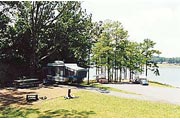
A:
(158, 20)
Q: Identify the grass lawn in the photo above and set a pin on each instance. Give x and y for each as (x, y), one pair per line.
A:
(94, 105)
(101, 86)
(153, 83)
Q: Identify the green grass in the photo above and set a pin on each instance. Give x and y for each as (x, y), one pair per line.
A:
(153, 83)
(93, 83)
(94, 105)
(101, 86)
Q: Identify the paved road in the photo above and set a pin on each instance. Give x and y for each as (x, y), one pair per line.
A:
(152, 93)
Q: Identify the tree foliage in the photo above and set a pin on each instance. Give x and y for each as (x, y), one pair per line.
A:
(106, 50)
(114, 51)
(173, 60)
(34, 33)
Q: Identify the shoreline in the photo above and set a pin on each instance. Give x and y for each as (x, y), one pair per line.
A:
(169, 75)
(163, 84)
(169, 65)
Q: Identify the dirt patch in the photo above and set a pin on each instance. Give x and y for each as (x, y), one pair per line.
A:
(18, 96)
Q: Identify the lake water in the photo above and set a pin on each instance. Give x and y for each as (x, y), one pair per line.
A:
(168, 75)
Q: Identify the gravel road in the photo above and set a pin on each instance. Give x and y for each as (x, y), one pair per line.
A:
(152, 93)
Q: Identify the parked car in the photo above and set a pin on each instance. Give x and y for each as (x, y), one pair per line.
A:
(137, 78)
(136, 81)
(144, 82)
(141, 79)
(101, 78)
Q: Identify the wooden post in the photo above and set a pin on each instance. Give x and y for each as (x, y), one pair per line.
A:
(69, 93)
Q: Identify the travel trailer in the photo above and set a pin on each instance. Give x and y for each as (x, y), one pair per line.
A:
(64, 72)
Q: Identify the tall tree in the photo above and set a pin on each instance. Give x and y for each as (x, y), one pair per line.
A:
(147, 50)
(107, 46)
(44, 31)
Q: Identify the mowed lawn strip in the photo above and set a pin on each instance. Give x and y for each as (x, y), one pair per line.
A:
(101, 86)
(158, 84)
(98, 105)
(95, 105)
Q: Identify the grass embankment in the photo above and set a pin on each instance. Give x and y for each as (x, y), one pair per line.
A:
(101, 86)
(94, 105)
(153, 83)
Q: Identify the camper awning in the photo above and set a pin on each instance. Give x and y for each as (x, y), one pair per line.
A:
(74, 66)
(56, 63)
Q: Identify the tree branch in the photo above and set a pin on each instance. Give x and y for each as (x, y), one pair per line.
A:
(49, 53)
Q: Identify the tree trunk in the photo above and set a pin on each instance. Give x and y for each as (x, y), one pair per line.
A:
(33, 32)
(112, 74)
(120, 74)
(129, 75)
(88, 64)
(146, 68)
(108, 74)
(101, 69)
(96, 67)
(96, 70)
(125, 73)
(115, 74)
(88, 77)
(34, 29)
(108, 61)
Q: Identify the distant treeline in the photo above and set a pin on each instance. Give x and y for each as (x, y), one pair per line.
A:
(174, 60)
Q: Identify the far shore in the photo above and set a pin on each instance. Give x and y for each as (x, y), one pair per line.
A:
(169, 65)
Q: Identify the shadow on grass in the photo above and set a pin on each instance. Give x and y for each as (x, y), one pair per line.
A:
(10, 112)
(63, 113)
(15, 97)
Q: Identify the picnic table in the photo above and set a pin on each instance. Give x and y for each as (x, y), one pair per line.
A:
(33, 82)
